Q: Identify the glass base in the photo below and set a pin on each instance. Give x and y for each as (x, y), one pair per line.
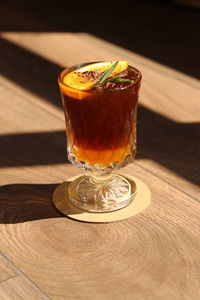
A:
(102, 192)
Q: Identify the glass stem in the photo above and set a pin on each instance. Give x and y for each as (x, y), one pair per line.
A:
(99, 176)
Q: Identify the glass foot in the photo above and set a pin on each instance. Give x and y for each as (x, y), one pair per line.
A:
(97, 193)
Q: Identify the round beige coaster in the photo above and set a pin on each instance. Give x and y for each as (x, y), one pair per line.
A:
(64, 205)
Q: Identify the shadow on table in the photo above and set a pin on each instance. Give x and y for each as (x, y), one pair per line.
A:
(27, 202)
(31, 71)
(30, 149)
(172, 144)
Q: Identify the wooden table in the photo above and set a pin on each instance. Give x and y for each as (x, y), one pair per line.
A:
(152, 256)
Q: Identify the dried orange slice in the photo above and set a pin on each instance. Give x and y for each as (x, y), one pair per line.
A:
(78, 81)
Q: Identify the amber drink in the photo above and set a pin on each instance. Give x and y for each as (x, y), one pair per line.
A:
(101, 137)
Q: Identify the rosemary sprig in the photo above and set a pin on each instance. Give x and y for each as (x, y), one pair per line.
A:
(113, 79)
(103, 78)
(105, 74)
(123, 80)
(118, 79)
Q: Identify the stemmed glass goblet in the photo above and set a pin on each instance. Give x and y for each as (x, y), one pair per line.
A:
(101, 138)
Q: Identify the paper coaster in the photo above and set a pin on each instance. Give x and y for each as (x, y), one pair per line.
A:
(64, 205)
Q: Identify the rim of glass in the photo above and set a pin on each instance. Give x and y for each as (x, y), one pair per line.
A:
(77, 66)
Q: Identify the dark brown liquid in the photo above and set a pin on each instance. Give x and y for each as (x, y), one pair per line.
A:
(101, 126)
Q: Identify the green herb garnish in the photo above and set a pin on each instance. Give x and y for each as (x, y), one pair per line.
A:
(105, 74)
(103, 78)
(123, 80)
(114, 79)
(118, 79)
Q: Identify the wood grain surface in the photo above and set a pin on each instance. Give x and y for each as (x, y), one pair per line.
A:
(152, 256)
(7, 271)
(19, 288)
